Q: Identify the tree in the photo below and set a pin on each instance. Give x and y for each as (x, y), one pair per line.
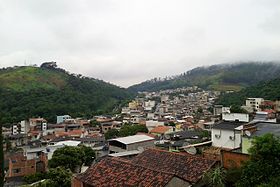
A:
(129, 130)
(237, 109)
(59, 177)
(199, 110)
(71, 157)
(34, 177)
(1, 159)
(55, 177)
(171, 123)
(263, 168)
(112, 133)
(215, 177)
(94, 123)
(89, 155)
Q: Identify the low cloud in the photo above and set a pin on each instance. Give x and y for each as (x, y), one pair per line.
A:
(126, 42)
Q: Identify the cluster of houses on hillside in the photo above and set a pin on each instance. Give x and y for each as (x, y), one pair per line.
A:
(187, 136)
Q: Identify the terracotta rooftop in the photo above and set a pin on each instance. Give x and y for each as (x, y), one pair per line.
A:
(76, 132)
(119, 172)
(37, 119)
(147, 134)
(188, 167)
(160, 129)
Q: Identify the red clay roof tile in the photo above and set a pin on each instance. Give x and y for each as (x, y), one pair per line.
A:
(119, 172)
(188, 167)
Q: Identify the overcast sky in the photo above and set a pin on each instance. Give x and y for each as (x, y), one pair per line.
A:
(126, 42)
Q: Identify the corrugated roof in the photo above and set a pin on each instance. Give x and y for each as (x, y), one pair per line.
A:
(133, 139)
(263, 128)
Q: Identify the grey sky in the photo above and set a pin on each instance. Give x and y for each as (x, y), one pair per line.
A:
(126, 41)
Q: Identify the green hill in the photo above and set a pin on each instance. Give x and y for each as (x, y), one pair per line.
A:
(217, 77)
(48, 91)
(267, 89)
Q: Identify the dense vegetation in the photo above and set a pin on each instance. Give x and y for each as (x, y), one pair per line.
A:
(126, 130)
(49, 91)
(64, 162)
(268, 90)
(217, 77)
(72, 158)
(55, 177)
(263, 168)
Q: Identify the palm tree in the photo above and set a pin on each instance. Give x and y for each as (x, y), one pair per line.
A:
(215, 177)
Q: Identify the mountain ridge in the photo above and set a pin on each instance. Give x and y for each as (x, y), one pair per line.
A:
(220, 77)
(28, 91)
(269, 90)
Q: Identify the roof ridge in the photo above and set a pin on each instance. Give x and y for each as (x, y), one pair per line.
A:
(134, 164)
(175, 153)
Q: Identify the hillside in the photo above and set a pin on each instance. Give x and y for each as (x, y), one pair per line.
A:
(49, 91)
(267, 89)
(216, 77)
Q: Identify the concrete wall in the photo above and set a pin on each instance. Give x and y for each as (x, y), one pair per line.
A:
(145, 145)
(224, 140)
(176, 182)
(235, 116)
(116, 149)
(246, 144)
(254, 103)
(152, 124)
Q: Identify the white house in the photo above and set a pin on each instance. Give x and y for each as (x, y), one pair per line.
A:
(150, 124)
(235, 117)
(254, 103)
(61, 119)
(150, 103)
(50, 149)
(226, 134)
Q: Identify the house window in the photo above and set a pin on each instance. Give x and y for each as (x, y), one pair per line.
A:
(16, 170)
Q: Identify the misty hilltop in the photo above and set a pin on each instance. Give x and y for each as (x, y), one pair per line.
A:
(216, 77)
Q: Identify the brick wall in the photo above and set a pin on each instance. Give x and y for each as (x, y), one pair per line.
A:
(233, 159)
(20, 166)
(76, 183)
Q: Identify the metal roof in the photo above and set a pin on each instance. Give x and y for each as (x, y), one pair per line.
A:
(133, 139)
(68, 143)
(226, 125)
(263, 128)
(125, 153)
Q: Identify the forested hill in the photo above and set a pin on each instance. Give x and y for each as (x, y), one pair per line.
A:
(216, 77)
(269, 90)
(48, 91)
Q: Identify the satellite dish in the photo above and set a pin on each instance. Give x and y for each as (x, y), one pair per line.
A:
(191, 150)
(248, 133)
(167, 136)
(140, 149)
